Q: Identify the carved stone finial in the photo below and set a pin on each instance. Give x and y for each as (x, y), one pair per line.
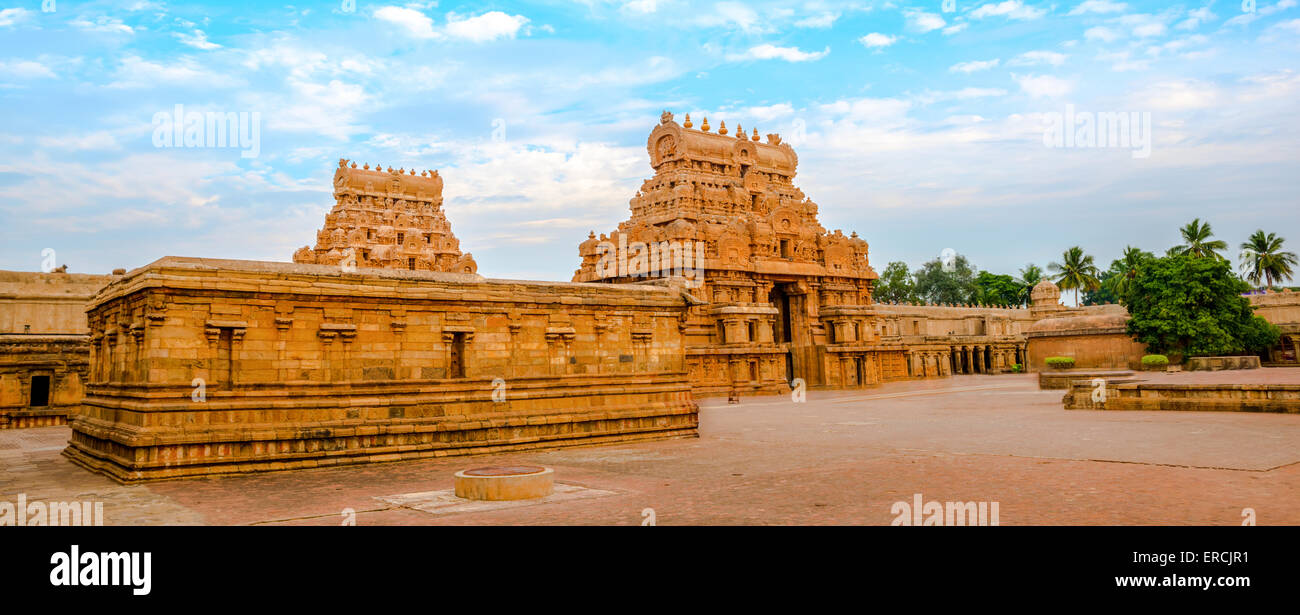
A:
(773, 139)
(755, 137)
(665, 117)
(354, 164)
(366, 167)
(722, 127)
(687, 123)
(740, 132)
(705, 125)
(343, 162)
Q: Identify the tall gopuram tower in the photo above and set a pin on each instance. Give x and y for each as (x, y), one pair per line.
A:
(387, 219)
(780, 298)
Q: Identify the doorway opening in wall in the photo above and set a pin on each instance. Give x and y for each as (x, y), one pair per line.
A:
(781, 301)
(40, 396)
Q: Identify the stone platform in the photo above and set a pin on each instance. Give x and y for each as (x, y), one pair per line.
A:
(1061, 379)
(1261, 390)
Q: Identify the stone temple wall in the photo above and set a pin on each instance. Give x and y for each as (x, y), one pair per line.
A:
(203, 366)
(44, 354)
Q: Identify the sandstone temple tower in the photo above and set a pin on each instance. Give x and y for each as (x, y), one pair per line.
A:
(387, 219)
(781, 298)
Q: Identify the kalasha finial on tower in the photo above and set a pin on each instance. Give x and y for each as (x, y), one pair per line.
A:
(755, 137)
(687, 123)
(705, 125)
(722, 127)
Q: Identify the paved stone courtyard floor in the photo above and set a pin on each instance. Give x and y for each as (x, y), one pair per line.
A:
(843, 457)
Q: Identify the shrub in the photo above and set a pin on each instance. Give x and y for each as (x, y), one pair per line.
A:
(1060, 362)
(1016, 368)
(1155, 361)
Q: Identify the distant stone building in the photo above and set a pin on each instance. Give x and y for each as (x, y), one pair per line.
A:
(388, 220)
(1283, 310)
(779, 297)
(44, 349)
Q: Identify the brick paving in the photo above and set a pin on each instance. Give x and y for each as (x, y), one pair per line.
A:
(843, 457)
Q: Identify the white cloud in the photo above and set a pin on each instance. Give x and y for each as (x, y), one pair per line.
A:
(1101, 33)
(1196, 18)
(134, 72)
(877, 40)
(973, 66)
(198, 40)
(772, 52)
(1292, 26)
(1264, 11)
(9, 17)
(1120, 61)
(1035, 58)
(103, 24)
(641, 7)
(1011, 9)
(415, 23)
(1043, 86)
(731, 14)
(98, 140)
(489, 26)
(930, 97)
(26, 69)
(1098, 6)
(1178, 95)
(955, 28)
(921, 21)
(824, 20)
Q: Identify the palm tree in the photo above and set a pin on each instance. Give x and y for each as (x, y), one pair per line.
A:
(1197, 243)
(1075, 271)
(1262, 257)
(1125, 269)
(1030, 276)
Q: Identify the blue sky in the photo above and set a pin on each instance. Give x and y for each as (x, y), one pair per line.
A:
(917, 126)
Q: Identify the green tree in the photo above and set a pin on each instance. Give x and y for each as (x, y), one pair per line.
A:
(1104, 292)
(997, 289)
(895, 284)
(1076, 272)
(1262, 257)
(1193, 306)
(939, 284)
(1030, 276)
(1197, 242)
(1122, 271)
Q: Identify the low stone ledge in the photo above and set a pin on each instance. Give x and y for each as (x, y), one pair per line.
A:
(1214, 364)
(1061, 379)
(1279, 398)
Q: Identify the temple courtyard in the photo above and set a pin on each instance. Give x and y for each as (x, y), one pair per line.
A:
(841, 457)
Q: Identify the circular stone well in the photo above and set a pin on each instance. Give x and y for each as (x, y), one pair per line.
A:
(505, 483)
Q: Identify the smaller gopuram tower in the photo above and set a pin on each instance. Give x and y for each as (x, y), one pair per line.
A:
(387, 219)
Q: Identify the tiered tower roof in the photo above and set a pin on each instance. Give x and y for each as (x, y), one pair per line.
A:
(387, 219)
